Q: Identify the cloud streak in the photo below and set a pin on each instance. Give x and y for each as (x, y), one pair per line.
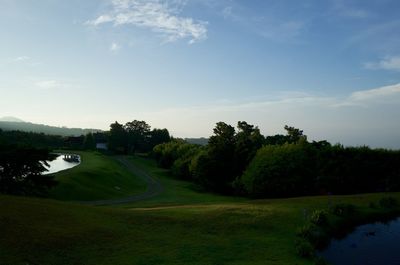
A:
(388, 63)
(159, 16)
(50, 84)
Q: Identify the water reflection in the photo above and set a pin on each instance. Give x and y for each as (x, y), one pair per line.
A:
(372, 244)
(60, 163)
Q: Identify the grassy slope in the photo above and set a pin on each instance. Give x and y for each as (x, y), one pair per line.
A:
(96, 178)
(201, 229)
(37, 231)
(175, 192)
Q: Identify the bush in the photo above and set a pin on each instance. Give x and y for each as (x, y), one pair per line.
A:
(304, 249)
(313, 234)
(343, 209)
(280, 171)
(319, 217)
(305, 231)
(388, 202)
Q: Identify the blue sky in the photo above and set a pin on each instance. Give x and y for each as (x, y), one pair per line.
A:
(330, 67)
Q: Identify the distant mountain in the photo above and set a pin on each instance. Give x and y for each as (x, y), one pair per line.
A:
(199, 141)
(11, 119)
(41, 128)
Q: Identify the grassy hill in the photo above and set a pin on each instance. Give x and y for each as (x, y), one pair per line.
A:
(180, 225)
(97, 177)
(41, 128)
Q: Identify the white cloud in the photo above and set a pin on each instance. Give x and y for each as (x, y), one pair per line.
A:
(388, 63)
(22, 59)
(49, 84)
(160, 16)
(376, 93)
(361, 117)
(114, 47)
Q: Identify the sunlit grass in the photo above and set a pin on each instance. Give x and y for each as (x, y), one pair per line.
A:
(97, 177)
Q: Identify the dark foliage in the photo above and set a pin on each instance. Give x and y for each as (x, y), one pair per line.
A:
(135, 136)
(244, 162)
(21, 170)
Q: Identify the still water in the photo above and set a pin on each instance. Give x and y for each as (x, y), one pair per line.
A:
(59, 164)
(371, 244)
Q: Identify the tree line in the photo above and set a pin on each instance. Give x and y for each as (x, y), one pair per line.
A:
(244, 162)
(24, 154)
(135, 136)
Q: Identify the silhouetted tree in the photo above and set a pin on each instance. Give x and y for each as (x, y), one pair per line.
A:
(118, 138)
(247, 141)
(21, 170)
(214, 167)
(159, 136)
(89, 142)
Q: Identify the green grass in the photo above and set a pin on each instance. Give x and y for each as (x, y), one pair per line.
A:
(38, 231)
(178, 226)
(175, 191)
(97, 177)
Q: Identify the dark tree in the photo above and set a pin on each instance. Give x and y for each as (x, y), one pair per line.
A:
(159, 136)
(247, 141)
(138, 133)
(294, 134)
(89, 142)
(214, 167)
(118, 138)
(21, 170)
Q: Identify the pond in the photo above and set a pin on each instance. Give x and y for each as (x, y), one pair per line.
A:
(62, 162)
(371, 244)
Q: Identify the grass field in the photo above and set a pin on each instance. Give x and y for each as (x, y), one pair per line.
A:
(175, 191)
(97, 177)
(178, 226)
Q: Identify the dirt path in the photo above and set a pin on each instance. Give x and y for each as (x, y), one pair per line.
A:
(154, 187)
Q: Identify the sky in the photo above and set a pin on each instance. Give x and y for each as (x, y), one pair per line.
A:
(328, 67)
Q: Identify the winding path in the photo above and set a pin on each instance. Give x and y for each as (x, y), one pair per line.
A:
(154, 187)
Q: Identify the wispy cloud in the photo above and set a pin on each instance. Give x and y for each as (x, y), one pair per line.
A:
(115, 47)
(353, 119)
(49, 84)
(21, 59)
(388, 63)
(366, 95)
(163, 17)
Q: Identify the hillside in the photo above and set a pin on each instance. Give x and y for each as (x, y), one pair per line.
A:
(41, 128)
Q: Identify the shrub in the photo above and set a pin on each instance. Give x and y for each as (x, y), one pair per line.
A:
(304, 249)
(388, 202)
(306, 231)
(313, 234)
(319, 217)
(280, 171)
(343, 209)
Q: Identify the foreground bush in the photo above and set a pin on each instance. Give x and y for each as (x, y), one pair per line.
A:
(279, 171)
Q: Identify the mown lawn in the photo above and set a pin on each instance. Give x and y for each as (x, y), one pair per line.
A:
(178, 226)
(39, 231)
(97, 177)
(175, 191)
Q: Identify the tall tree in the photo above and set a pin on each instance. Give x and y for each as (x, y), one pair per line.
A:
(294, 134)
(248, 141)
(159, 136)
(214, 167)
(118, 139)
(89, 142)
(138, 136)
